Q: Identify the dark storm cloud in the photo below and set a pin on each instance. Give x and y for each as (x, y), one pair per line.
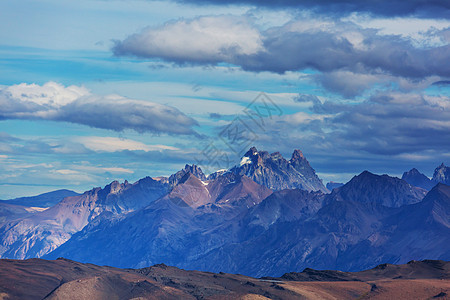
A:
(327, 52)
(421, 8)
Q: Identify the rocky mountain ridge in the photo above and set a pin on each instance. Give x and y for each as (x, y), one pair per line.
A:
(350, 229)
(441, 175)
(277, 173)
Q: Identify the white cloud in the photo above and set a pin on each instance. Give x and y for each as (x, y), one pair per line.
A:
(113, 144)
(204, 39)
(301, 118)
(87, 169)
(50, 94)
(53, 101)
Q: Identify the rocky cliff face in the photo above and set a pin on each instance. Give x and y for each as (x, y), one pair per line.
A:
(442, 174)
(193, 169)
(277, 173)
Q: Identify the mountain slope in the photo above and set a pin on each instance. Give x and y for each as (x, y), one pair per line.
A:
(277, 173)
(9, 212)
(415, 178)
(343, 235)
(42, 232)
(175, 229)
(43, 200)
(234, 225)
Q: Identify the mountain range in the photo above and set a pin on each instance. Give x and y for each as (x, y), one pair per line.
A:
(263, 217)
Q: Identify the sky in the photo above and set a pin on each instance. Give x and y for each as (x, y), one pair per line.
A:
(101, 90)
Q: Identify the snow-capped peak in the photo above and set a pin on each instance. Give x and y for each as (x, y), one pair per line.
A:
(245, 160)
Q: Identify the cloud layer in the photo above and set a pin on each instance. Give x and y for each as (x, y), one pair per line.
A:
(55, 102)
(423, 8)
(393, 125)
(333, 48)
(201, 40)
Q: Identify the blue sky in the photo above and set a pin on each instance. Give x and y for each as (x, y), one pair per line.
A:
(93, 91)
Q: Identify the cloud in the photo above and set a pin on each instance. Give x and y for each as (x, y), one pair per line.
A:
(113, 144)
(201, 40)
(387, 124)
(341, 51)
(83, 169)
(349, 84)
(421, 8)
(54, 102)
(301, 98)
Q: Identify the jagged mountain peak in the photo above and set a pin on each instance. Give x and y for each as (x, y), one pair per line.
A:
(114, 187)
(297, 155)
(251, 152)
(195, 170)
(442, 174)
(413, 171)
(190, 178)
(277, 173)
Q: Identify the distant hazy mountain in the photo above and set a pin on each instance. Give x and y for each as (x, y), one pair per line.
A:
(277, 173)
(334, 185)
(384, 190)
(442, 174)
(415, 178)
(43, 200)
